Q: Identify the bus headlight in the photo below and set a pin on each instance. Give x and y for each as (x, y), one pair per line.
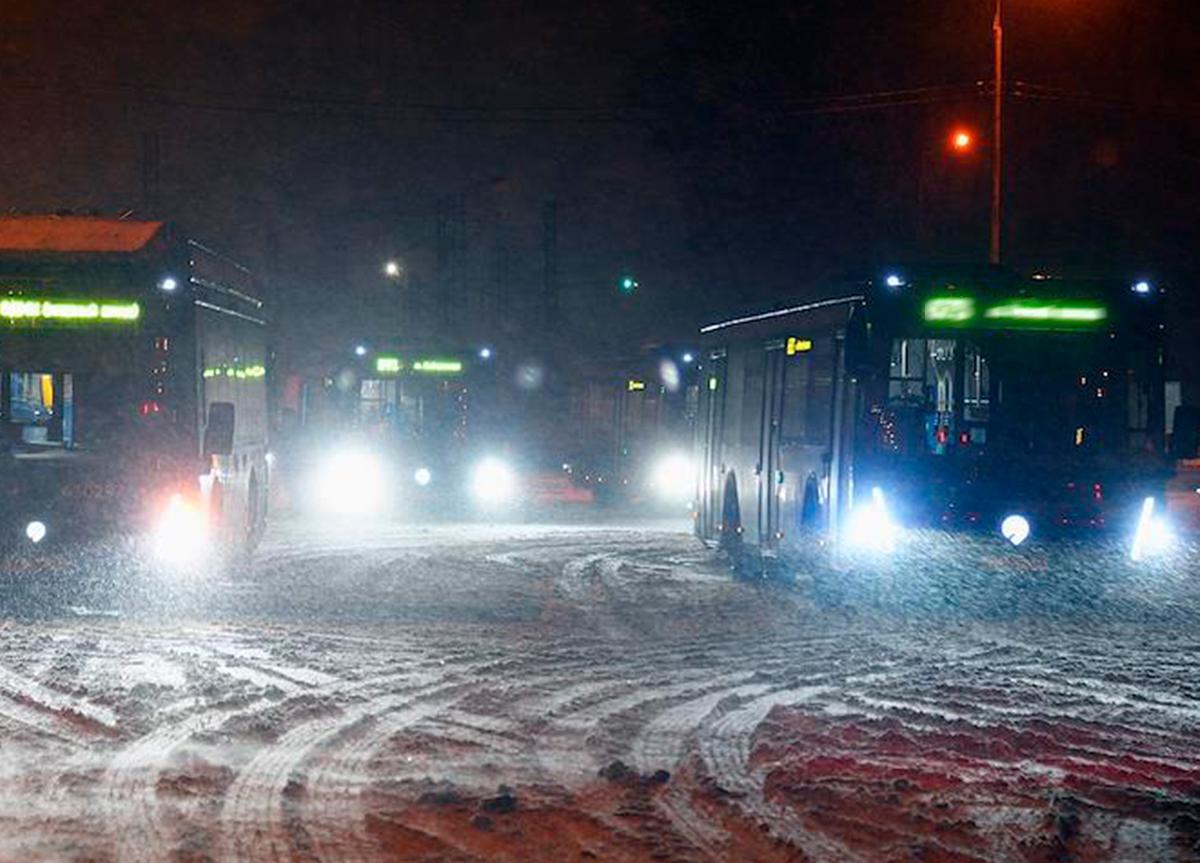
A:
(1153, 535)
(351, 482)
(1015, 528)
(674, 478)
(870, 526)
(493, 482)
(181, 533)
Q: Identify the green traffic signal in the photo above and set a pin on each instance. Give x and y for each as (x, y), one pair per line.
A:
(628, 285)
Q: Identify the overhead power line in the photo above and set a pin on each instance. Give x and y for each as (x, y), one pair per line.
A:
(1040, 93)
(333, 107)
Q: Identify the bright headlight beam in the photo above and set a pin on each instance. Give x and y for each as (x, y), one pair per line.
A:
(493, 482)
(181, 534)
(870, 526)
(350, 483)
(35, 531)
(1153, 534)
(674, 477)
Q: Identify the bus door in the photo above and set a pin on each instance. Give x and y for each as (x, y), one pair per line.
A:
(711, 430)
(770, 471)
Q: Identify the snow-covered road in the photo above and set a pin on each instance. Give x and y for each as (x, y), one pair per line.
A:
(571, 693)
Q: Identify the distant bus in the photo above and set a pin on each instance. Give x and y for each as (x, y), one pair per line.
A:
(947, 400)
(133, 394)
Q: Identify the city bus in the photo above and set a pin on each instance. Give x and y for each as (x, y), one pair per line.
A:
(133, 396)
(984, 402)
(388, 430)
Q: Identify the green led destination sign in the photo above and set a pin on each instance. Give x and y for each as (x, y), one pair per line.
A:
(386, 365)
(236, 372)
(441, 367)
(1021, 313)
(26, 309)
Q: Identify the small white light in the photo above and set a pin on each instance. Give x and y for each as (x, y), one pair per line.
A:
(485, 353)
(168, 284)
(360, 350)
(270, 459)
(1015, 528)
(895, 281)
(1142, 288)
(391, 269)
(35, 531)
(422, 476)
(688, 357)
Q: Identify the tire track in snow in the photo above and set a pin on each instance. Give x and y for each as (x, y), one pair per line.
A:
(51, 713)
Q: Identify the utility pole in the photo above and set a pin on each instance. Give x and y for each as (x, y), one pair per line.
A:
(997, 135)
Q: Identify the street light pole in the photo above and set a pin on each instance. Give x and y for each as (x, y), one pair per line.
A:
(997, 135)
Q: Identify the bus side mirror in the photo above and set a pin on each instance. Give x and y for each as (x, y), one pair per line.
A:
(1186, 436)
(218, 433)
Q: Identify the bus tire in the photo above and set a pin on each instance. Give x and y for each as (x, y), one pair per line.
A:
(731, 513)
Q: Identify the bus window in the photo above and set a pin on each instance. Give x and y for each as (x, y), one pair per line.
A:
(808, 396)
(976, 383)
(906, 378)
(35, 407)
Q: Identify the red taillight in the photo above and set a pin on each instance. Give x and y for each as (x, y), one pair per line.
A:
(149, 408)
(943, 435)
(1098, 492)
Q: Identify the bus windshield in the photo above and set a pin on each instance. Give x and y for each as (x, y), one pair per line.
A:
(68, 398)
(1054, 397)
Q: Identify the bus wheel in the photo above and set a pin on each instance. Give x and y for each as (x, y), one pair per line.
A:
(731, 513)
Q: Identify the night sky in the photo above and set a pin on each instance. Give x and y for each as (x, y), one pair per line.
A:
(705, 148)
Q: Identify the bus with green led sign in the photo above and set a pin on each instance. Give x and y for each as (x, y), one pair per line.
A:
(133, 398)
(961, 396)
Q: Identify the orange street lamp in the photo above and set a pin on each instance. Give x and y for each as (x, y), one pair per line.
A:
(961, 141)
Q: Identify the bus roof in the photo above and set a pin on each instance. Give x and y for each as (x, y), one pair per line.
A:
(75, 234)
